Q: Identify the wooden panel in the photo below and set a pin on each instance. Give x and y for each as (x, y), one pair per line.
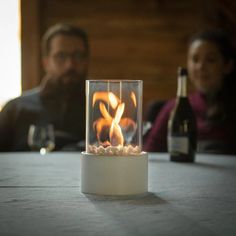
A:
(132, 39)
(30, 41)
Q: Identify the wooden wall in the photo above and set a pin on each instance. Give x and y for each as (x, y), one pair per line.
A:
(130, 39)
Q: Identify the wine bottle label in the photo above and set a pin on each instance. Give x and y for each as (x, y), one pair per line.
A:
(178, 144)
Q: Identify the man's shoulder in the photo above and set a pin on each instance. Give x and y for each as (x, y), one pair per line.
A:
(28, 98)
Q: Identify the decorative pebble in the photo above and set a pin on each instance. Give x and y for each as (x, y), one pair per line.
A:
(114, 150)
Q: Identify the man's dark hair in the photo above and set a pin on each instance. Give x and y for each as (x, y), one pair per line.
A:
(63, 29)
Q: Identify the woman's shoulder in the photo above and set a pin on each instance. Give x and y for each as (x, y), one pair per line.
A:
(165, 111)
(168, 106)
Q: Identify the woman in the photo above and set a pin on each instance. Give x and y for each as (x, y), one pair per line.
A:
(211, 69)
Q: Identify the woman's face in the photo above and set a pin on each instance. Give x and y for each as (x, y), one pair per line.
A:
(206, 66)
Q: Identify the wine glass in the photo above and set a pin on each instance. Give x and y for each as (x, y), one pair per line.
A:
(41, 138)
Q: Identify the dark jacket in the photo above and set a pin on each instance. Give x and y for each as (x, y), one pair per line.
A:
(43, 105)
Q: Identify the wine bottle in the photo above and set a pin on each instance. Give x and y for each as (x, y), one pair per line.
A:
(182, 128)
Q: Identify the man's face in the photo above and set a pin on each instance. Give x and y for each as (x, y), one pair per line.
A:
(67, 61)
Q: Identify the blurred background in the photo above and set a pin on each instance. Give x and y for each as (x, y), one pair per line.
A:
(129, 39)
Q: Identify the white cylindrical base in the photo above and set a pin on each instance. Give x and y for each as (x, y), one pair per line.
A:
(114, 175)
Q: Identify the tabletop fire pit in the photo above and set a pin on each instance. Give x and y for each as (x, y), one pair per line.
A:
(113, 163)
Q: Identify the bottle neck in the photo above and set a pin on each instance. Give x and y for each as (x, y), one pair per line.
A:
(182, 86)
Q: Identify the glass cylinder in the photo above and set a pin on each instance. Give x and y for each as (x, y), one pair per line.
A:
(114, 117)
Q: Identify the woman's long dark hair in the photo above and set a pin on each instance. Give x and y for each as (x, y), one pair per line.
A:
(225, 99)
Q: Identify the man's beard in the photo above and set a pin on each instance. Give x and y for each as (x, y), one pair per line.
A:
(72, 82)
(69, 84)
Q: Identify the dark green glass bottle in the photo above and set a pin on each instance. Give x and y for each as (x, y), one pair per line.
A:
(182, 128)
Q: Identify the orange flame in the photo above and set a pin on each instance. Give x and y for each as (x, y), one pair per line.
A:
(110, 130)
(104, 112)
(116, 136)
(133, 98)
(107, 97)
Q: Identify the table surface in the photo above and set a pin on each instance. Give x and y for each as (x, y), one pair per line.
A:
(40, 195)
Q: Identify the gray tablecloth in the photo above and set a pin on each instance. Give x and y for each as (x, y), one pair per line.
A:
(40, 195)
